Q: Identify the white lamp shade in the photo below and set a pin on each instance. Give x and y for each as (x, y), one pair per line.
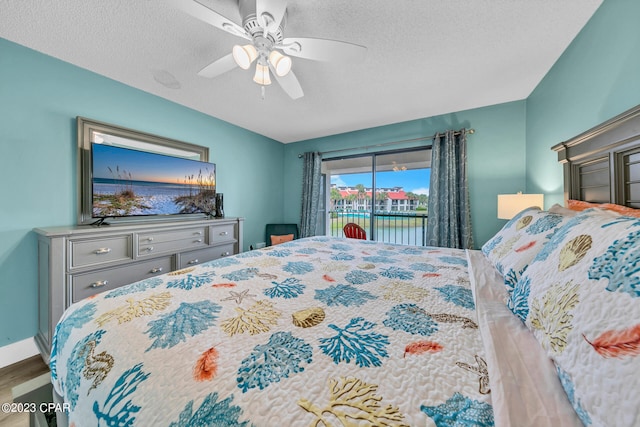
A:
(244, 55)
(511, 204)
(281, 64)
(262, 75)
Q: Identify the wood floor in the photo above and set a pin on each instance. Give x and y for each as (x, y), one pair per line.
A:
(12, 376)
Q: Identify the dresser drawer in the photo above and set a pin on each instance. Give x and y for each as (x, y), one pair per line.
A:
(222, 233)
(203, 255)
(87, 284)
(171, 235)
(94, 252)
(153, 243)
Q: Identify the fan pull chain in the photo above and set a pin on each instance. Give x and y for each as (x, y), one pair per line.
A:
(263, 92)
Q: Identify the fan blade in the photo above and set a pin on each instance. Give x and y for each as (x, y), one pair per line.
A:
(211, 17)
(221, 66)
(273, 9)
(322, 49)
(289, 83)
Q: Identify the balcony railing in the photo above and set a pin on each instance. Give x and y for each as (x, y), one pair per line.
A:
(404, 228)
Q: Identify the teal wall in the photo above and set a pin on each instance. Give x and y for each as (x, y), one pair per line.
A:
(595, 79)
(496, 157)
(40, 98)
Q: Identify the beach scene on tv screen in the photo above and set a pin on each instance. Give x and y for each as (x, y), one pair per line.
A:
(128, 182)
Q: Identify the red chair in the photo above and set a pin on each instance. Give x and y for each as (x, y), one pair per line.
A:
(354, 231)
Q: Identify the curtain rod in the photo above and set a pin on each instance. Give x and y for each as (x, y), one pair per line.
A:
(468, 131)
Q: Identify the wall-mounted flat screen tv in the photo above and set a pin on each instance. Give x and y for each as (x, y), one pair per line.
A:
(127, 182)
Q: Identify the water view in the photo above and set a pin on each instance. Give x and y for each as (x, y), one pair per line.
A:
(405, 228)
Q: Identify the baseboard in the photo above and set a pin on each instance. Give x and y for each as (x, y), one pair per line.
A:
(31, 385)
(18, 351)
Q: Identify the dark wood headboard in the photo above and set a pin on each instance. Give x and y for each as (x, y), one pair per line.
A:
(602, 165)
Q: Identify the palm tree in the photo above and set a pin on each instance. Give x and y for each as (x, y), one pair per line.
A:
(350, 198)
(382, 196)
(411, 196)
(335, 197)
(362, 192)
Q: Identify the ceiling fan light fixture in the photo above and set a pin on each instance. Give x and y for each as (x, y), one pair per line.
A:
(244, 55)
(262, 75)
(281, 63)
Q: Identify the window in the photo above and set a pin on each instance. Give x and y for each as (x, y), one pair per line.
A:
(385, 193)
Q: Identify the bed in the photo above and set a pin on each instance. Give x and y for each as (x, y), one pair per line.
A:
(538, 328)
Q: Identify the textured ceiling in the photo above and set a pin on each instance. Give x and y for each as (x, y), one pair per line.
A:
(424, 58)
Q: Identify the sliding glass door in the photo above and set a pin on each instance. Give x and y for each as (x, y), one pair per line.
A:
(350, 183)
(402, 191)
(385, 193)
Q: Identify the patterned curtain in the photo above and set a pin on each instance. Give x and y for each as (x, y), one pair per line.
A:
(449, 221)
(311, 177)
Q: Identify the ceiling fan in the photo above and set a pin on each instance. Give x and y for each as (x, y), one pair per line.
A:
(263, 23)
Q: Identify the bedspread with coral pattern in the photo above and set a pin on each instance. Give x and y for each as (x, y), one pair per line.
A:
(318, 331)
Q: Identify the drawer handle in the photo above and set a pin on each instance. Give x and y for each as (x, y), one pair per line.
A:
(193, 261)
(224, 233)
(99, 283)
(102, 251)
(198, 233)
(225, 253)
(149, 239)
(156, 270)
(149, 248)
(197, 241)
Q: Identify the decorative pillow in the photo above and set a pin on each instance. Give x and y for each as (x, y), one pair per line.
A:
(514, 247)
(276, 240)
(580, 297)
(579, 205)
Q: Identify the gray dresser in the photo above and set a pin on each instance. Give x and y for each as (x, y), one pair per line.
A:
(77, 262)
